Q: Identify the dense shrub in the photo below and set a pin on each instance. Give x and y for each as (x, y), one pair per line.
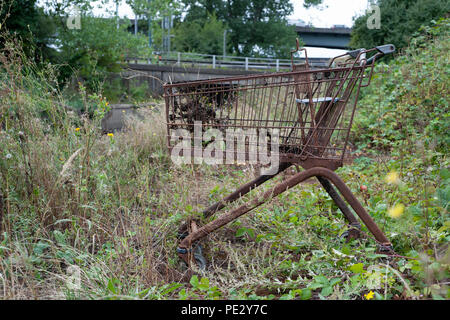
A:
(408, 98)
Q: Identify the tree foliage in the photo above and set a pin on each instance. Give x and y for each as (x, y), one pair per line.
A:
(23, 19)
(400, 19)
(205, 36)
(310, 3)
(256, 27)
(99, 47)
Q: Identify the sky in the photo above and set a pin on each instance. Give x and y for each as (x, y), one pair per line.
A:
(331, 12)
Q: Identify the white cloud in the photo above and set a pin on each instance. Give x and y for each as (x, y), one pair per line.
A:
(331, 12)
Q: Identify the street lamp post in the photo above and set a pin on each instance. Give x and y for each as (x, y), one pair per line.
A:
(117, 13)
(225, 43)
(149, 26)
(135, 23)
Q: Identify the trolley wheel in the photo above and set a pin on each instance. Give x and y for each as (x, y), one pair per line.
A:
(352, 233)
(199, 258)
(196, 249)
(197, 254)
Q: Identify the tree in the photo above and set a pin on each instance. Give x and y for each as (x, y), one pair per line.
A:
(400, 19)
(98, 48)
(23, 19)
(257, 27)
(95, 49)
(148, 8)
(310, 3)
(200, 36)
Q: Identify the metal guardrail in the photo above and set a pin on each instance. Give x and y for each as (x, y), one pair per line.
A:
(227, 62)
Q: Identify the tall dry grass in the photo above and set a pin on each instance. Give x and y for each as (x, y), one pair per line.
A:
(74, 197)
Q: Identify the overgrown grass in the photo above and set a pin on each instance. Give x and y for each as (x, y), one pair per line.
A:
(92, 216)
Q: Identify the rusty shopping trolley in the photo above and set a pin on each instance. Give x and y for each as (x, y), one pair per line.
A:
(302, 117)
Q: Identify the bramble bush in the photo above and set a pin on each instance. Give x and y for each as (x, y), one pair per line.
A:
(407, 101)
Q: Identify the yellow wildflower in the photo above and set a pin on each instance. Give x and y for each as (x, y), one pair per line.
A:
(396, 211)
(369, 295)
(111, 134)
(392, 178)
(77, 129)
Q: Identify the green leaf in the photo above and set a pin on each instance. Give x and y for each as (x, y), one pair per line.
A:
(321, 279)
(170, 288)
(446, 226)
(40, 247)
(60, 238)
(335, 281)
(183, 294)
(194, 281)
(445, 174)
(112, 283)
(315, 285)
(240, 232)
(327, 291)
(357, 268)
(306, 294)
(204, 284)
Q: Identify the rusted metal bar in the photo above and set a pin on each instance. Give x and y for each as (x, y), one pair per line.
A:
(246, 188)
(278, 189)
(353, 232)
(249, 77)
(1, 211)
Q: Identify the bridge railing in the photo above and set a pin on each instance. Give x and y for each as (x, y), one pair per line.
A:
(184, 59)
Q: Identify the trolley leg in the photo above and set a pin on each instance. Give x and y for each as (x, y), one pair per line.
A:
(185, 245)
(246, 188)
(186, 228)
(355, 227)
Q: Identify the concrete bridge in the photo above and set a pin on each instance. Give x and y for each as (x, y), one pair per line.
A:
(153, 75)
(333, 38)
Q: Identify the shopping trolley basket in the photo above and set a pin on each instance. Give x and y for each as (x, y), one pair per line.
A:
(301, 118)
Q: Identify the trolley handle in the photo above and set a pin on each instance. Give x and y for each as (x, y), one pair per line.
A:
(382, 51)
(355, 53)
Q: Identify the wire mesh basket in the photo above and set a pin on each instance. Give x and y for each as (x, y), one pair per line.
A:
(309, 112)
